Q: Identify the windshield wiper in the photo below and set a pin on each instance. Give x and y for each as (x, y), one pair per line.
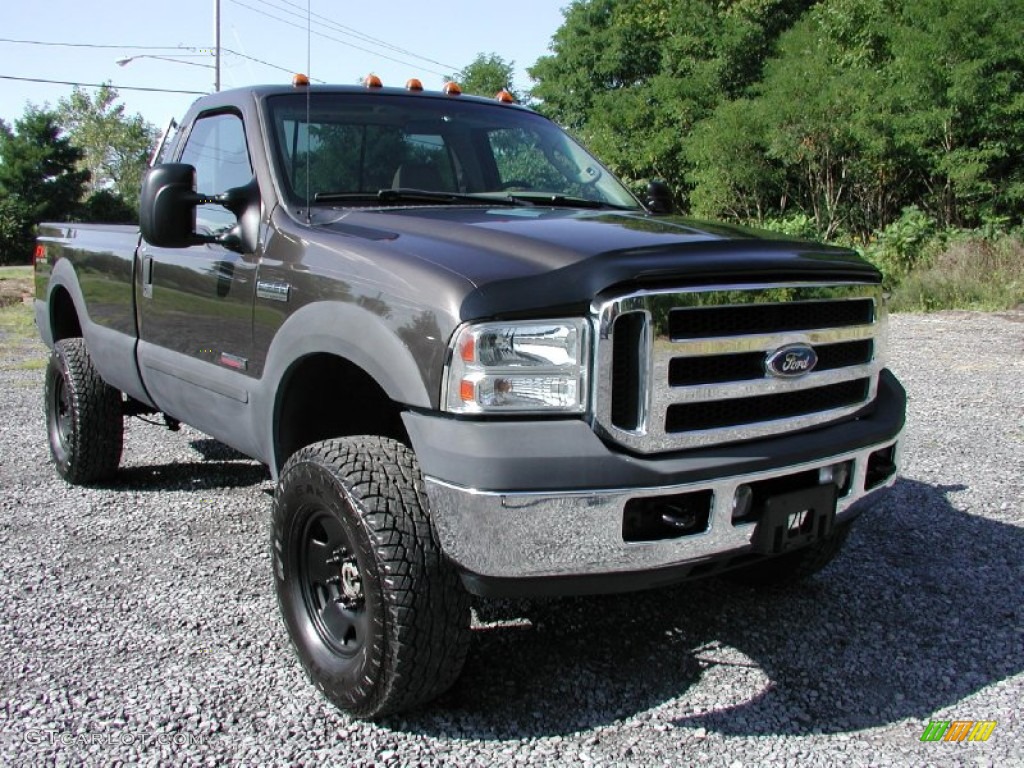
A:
(564, 201)
(406, 195)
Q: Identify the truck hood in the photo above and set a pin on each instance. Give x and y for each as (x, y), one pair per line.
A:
(581, 253)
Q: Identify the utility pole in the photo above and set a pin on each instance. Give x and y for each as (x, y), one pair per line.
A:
(216, 45)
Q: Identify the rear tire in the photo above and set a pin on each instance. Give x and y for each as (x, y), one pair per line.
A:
(377, 615)
(795, 566)
(84, 417)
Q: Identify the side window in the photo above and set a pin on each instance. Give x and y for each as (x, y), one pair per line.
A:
(216, 147)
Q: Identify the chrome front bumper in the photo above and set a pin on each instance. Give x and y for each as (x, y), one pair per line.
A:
(548, 534)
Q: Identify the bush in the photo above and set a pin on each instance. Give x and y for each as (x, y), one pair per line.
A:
(904, 245)
(795, 225)
(107, 207)
(15, 231)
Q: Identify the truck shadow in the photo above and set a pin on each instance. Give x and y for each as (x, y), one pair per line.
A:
(188, 476)
(921, 610)
(219, 466)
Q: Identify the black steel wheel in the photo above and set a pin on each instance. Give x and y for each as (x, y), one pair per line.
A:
(377, 615)
(331, 583)
(84, 419)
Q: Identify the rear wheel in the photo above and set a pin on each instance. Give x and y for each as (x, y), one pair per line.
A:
(377, 615)
(793, 566)
(84, 418)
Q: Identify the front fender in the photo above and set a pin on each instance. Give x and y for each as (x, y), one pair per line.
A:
(352, 333)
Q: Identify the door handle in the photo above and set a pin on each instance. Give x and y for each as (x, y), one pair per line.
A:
(147, 277)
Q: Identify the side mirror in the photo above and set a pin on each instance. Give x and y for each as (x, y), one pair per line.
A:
(659, 197)
(167, 210)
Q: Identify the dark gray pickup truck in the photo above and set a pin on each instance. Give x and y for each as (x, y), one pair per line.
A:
(474, 363)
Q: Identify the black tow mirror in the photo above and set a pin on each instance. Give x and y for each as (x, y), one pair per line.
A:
(167, 210)
(659, 197)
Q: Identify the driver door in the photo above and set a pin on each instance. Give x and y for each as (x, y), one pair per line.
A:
(195, 304)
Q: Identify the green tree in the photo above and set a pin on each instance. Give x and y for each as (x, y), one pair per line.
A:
(38, 163)
(486, 75)
(963, 69)
(870, 106)
(634, 77)
(115, 146)
(812, 97)
(39, 180)
(732, 174)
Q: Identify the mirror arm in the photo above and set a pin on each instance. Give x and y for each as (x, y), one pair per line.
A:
(229, 239)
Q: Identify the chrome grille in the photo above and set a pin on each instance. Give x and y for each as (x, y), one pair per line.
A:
(683, 369)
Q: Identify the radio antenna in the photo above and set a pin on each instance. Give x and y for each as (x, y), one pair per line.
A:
(309, 134)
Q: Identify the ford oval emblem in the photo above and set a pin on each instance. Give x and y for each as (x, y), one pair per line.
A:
(792, 361)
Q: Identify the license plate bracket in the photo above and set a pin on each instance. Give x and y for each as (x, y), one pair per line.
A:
(795, 519)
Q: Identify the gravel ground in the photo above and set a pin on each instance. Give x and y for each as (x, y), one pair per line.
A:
(139, 626)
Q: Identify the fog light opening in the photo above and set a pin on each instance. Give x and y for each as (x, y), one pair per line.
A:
(881, 467)
(837, 474)
(655, 518)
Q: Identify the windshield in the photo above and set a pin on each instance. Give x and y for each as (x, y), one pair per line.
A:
(361, 144)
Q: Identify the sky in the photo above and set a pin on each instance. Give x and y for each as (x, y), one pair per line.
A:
(395, 39)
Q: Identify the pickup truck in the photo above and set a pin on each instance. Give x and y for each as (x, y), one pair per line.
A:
(473, 361)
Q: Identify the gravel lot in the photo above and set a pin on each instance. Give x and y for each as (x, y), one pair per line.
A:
(139, 626)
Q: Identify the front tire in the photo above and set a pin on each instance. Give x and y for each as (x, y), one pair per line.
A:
(84, 418)
(377, 615)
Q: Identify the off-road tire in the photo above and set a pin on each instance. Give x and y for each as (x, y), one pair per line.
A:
(403, 640)
(84, 416)
(783, 570)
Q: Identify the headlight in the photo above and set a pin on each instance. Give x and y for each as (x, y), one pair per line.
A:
(534, 366)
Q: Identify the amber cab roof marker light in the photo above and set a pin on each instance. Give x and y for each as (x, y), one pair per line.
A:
(300, 80)
(413, 84)
(372, 81)
(451, 88)
(505, 97)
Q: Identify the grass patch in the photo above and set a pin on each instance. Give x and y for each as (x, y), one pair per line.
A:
(16, 273)
(17, 325)
(33, 364)
(970, 272)
(15, 284)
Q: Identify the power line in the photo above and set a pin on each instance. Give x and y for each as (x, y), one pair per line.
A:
(353, 32)
(328, 37)
(101, 85)
(264, 63)
(175, 48)
(98, 45)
